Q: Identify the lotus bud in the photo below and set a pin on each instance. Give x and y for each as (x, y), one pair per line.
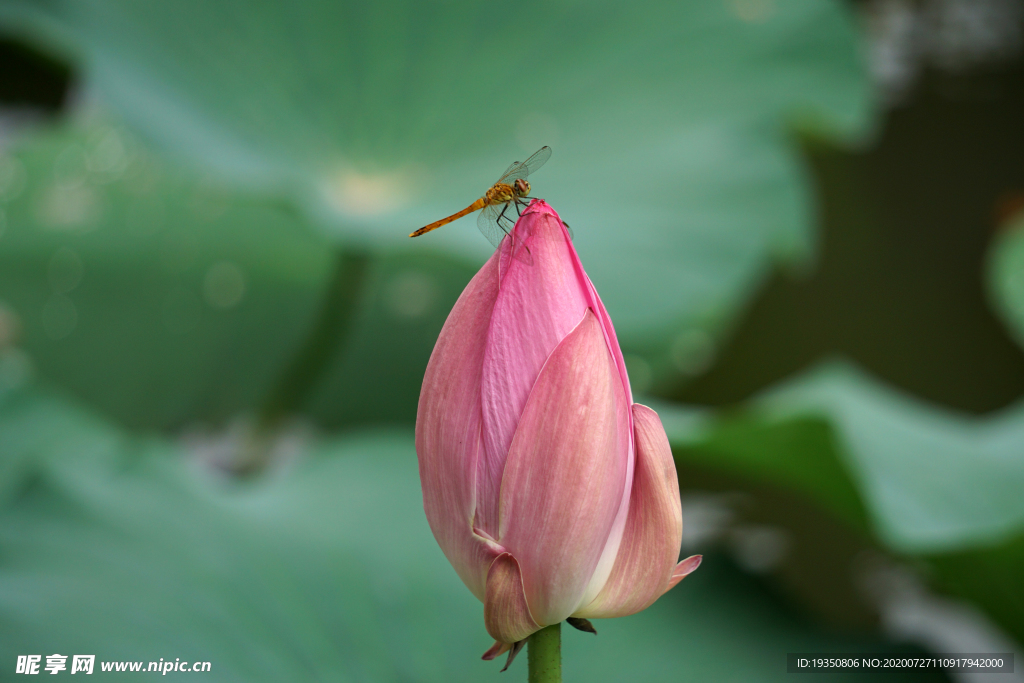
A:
(551, 493)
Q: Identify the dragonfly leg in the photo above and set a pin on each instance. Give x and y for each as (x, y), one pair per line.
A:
(502, 214)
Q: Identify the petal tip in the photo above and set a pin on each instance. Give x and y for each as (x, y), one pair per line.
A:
(495, 650)
(581, 624)
(688, 566)
(516, 647)
(685, 568)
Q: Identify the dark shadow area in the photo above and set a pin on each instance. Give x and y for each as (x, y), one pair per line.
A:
(899, 285)
(32, 79)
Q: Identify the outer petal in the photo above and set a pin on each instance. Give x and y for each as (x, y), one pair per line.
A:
(545, 228)
(644, 567)
(555, 230)
(448, 429)
(543, 296)
(506, 614)
(566, 473)
(684, 569)
(495, 650)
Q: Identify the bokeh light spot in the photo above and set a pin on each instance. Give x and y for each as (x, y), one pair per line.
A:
(759, 548)
(68, 207)
(10, 327)
(411, 295)
(224, 285)
(753, 11)
(692, 351)
(365, 194)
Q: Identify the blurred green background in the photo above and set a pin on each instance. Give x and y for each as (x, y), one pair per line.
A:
(806, 218)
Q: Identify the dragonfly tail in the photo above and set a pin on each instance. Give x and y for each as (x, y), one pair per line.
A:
(475, 206)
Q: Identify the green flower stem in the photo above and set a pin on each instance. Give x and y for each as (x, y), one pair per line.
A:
(325, 340)
(333, 322)
(544, 651)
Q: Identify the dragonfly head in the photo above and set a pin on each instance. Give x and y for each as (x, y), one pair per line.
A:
(522, 188)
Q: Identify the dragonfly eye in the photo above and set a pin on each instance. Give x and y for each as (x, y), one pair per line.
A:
(522, 187)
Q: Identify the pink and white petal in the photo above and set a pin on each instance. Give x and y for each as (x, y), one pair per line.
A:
(650, 545)
(541, 299)
(684, 569)
(566, 473)
(604, 567)
(592, 297)
(448, 429)
(609, 331)
(506, 614)
(496, 650)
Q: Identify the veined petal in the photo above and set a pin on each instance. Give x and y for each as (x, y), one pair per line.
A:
(539, 206)
(604, 566)
(542, 297)
(646, 562)
(609, 332)
(513, 649)
(566, 472)
(448, 429)
(684, 569)
(506, 614)
(499, 648)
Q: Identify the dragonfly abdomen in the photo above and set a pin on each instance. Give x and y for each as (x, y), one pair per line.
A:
(475, 206)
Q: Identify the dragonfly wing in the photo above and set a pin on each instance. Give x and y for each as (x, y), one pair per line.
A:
(539, 158)
(508, 171)
(488, 222)
(515, 172)
(522, 169)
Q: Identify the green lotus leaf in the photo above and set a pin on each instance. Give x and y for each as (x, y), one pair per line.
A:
(1005, 274)
(930, 479)
(166, 299)
(672, 125)
(129, 549)
(923, 483)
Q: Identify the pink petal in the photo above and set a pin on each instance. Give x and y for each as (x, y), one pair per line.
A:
(613, 341)
(513, 651)
(684, 569)
(448, 429)
(496, 650)
(644, 567)
(604, 567)
(541, 299)
(566, 472)
(593, 300)
(506, 614)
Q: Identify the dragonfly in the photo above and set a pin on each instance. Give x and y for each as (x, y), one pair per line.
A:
(506, 198)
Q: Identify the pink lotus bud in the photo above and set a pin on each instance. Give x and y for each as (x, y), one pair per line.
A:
(550, 492)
